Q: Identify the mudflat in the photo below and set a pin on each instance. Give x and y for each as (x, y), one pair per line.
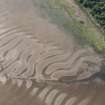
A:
(40, 62)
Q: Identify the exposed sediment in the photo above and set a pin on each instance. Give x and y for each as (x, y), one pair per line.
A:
(34, 49)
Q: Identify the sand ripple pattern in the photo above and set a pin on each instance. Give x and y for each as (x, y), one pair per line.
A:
(24, 56)
(20, 92)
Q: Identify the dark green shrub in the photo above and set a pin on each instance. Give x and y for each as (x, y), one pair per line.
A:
(96, 9)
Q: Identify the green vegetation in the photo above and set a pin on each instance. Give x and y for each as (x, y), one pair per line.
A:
(96, 9)
(85, 33)
(60, 12)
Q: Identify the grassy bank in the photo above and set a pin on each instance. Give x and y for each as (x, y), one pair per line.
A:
(94, 37)
(62, 13)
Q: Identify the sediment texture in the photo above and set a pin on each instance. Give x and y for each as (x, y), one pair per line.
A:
(37, 57)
